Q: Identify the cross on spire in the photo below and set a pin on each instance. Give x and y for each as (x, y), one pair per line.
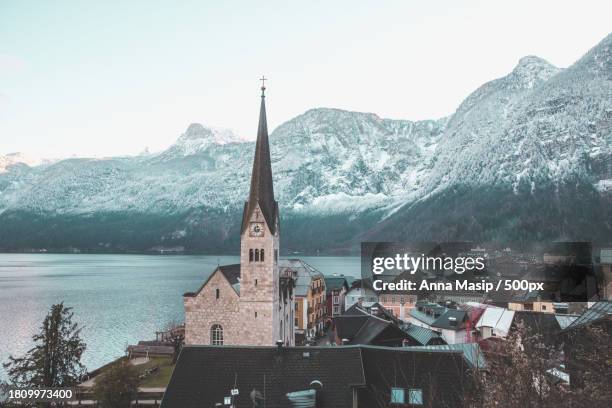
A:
(263, 80)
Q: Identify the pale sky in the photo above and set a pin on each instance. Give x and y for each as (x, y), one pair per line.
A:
(99, 78)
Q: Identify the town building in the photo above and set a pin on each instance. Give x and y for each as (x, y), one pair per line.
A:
(250, 303)
(494, 322)
(336, 288)
(532, 301)
(317, 377)
(310, 299)
(360, 292)
(400, 303)
(453, 325)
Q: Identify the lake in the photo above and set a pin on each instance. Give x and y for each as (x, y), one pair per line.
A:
(117, 299)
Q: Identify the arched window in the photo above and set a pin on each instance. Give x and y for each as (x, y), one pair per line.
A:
(218, 293)
(261, 255)
(257, 255)
(251, 255)
(216, 335)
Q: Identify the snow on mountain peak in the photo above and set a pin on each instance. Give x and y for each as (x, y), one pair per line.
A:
(532, 71)
(198, 138)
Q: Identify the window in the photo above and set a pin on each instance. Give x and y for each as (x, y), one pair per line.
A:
(336, 300)
(397, 396)
(251, 255)
(261, 255)
(256, 315)
(543, 307)
(276, 255)
(216, 335)
(257, 255)
(415, 396)
(255, 282)
(336, 310)
(217, 293)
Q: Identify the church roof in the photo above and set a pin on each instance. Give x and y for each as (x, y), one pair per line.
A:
(262, 189)
(231, 273)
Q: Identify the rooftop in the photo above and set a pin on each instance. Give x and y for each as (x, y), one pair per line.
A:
(204, 375)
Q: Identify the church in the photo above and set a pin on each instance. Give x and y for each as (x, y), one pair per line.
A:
(250, 303)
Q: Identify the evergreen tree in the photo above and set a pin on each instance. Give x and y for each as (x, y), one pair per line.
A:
(55, 359)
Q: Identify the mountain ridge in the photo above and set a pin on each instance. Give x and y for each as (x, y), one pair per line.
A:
(532, 145)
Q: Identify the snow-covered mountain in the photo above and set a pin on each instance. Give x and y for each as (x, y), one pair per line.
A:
(524, 156)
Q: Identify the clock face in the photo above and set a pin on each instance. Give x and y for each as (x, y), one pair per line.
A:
(256, 229)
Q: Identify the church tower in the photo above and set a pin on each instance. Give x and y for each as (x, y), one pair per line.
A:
(269, 318)
(250, 303)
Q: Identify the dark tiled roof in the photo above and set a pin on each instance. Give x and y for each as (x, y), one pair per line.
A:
(334, 282)
(440, 374)
(347, 326)
(443, 322)
(371, 329)
(596, 312)
(262, 188)
(205, 374)
(231, 273)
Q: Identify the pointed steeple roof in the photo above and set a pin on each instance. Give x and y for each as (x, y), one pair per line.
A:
(262, 189)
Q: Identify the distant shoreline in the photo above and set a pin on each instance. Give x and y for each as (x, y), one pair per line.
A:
(166, 253)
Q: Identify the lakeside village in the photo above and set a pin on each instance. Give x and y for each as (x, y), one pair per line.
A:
(271, 332)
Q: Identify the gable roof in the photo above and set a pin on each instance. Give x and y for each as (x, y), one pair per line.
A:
(347, 326)
(498, 318)
(370, 330)
(335, 282)
(262, 187)
(355, 310)
(231, 274)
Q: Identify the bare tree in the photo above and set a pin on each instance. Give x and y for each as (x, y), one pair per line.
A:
(175, 334)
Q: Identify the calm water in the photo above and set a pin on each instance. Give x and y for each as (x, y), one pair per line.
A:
(117, 299)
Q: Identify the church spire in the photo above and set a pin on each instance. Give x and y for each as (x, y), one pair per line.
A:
(262, 189)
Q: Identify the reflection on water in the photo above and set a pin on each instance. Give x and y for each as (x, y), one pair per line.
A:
(117, 299)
